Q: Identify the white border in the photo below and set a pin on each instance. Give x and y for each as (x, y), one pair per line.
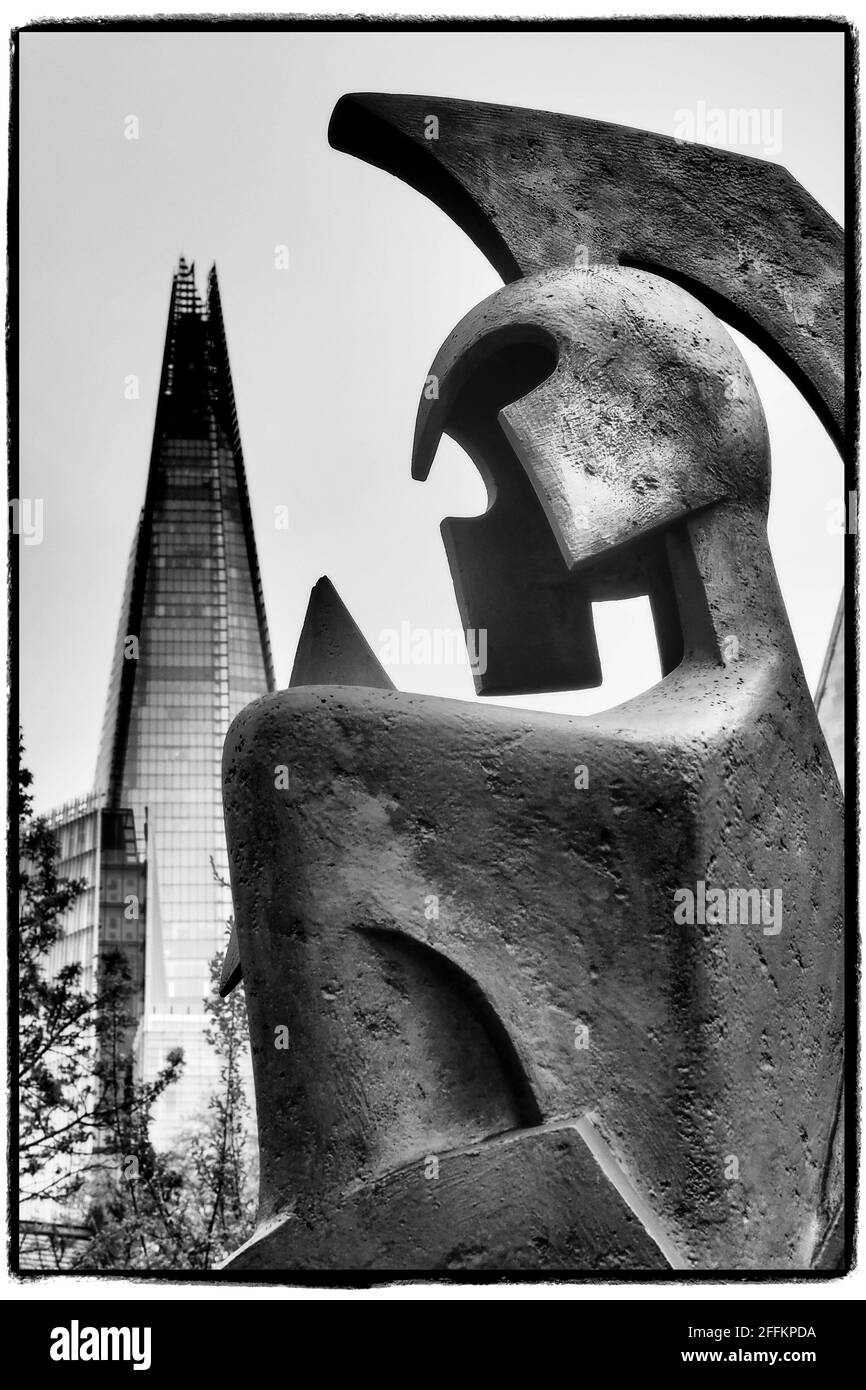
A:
(853, 1286)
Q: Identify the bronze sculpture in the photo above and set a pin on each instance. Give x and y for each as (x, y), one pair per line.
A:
(484, 1035)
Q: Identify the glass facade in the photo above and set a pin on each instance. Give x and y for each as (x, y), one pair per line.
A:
(99, 846)
(77, 827)
(192, 649)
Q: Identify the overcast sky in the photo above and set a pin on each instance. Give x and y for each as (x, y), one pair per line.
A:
(328, 356)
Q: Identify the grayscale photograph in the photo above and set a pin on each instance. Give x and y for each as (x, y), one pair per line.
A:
(433, 518)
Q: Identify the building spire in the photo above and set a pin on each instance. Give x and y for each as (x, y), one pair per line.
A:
(195, 419)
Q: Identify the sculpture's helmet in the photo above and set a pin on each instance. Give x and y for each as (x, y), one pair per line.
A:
(602, 406)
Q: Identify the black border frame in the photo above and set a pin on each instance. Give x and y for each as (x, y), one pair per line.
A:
(349, 1279)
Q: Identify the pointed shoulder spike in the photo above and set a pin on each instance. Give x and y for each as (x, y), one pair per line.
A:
(332, 650)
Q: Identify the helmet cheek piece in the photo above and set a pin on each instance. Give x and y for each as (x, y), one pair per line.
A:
(599, 429)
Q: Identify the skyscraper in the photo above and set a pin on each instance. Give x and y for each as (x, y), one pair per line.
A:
(192, 649)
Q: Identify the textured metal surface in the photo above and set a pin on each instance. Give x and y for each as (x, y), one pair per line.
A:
(536, 189)
(507, 1050)
(463, 917)
(645, 413)
(331, 648)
